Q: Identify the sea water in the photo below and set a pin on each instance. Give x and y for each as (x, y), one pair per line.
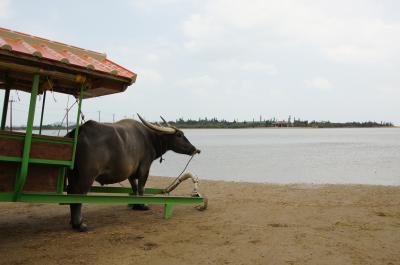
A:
(290, 155)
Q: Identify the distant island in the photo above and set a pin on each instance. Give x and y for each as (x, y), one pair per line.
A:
(214, 123)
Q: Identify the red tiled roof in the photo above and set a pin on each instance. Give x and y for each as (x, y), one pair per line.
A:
(55, 51)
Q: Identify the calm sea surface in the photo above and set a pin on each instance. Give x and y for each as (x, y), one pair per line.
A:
(359, 156)
(362, 156)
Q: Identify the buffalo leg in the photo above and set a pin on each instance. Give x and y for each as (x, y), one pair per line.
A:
(141, 183)
(142, 178)
(76, 217)
(77, 186)
(134, 186)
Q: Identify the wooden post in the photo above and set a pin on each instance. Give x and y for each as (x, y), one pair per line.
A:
(41, 115)
(5, 108)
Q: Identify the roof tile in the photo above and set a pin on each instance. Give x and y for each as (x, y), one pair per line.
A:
(55, 51)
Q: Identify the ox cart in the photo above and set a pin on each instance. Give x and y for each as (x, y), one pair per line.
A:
(33, 166)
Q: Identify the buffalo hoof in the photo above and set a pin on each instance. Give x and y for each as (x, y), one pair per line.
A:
(82, 227)
(140, 207)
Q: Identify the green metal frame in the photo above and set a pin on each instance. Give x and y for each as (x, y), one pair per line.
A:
(108, 195)
(21, 177)
(77, 126)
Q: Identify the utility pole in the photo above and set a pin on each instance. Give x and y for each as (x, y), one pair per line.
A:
(11, 108)
(113, 117)
(99, 114)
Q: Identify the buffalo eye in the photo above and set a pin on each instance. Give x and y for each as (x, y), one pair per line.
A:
(179, 134)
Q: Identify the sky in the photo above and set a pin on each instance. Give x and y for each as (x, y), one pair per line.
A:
(314, 60)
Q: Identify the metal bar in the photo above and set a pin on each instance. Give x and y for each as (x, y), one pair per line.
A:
(77, 198)
(36, 160)
(126, 190)
(56, 141)
(11, 136)
(36, 138)
(5, 108)
(20, 181)
(41, 115)
(6, 196)
(77, 126)
(10, 158)
(60, 180)
(50, 162)
(167, 210)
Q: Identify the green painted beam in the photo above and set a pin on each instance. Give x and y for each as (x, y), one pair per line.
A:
(77, 127)
(20, 181)
(11, 136)
(37, 161)
(109, 199)
(60, 180)
(167, 211)
(67, 141)
(6, 196)
(126, 190)
(36, 138)
(10, 159)
(50, 162)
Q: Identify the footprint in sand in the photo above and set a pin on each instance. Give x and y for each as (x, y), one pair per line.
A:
(278, 225)
(149, 246)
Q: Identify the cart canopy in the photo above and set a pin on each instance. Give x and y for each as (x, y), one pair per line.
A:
(63, 68)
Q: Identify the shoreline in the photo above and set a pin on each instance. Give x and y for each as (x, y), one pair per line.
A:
(284, 184)
(236, 128)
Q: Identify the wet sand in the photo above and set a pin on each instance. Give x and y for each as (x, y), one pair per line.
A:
(246, 223)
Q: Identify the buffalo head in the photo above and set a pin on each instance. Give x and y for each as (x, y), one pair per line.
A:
(171, 138)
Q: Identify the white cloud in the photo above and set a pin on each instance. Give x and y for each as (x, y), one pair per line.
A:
(260, 67)
(197, 81)
(150, 4)
(4, 9)
(235, 65)
(344, 31)
(152, 58)
(319, 83)
(149, 77)
(199, 85)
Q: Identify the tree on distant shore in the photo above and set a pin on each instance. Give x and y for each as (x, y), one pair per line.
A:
(215, 123)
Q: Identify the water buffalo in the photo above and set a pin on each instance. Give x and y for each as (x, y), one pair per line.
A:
(111, 153)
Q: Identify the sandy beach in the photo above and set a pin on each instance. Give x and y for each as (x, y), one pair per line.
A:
(246, 223)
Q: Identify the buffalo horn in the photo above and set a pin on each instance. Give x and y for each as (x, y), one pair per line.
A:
(156, 128)
(166, 123)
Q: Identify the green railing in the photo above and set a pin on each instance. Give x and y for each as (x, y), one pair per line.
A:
(110, 195)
